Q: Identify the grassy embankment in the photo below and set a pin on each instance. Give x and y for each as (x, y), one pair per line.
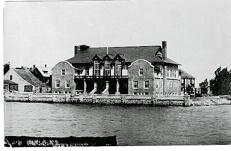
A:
(212, 100)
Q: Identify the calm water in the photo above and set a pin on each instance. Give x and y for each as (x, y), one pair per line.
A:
(139, 125)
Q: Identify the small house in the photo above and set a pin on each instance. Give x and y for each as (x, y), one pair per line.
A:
(43, 73)
(10, 86)
(187, 82)
(25, 80)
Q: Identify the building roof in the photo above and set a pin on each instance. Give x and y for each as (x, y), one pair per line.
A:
(45, 71)
(129, 53)
(185, 75)
(9, 82)
(29, 77)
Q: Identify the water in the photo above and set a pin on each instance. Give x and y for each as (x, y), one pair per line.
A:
(133, 125)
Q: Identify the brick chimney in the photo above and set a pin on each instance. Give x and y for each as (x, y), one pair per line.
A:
(76, 48)
(164, 49)
(80, 48)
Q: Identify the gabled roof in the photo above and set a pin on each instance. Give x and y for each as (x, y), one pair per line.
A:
(29, 77)
(185, 75)
(129, 53)
(45, 71)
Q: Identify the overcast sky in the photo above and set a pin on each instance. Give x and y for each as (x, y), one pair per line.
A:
(198, 33)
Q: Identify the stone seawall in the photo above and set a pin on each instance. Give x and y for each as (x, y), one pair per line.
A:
(99, 99)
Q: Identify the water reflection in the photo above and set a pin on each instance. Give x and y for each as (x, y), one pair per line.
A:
(133, 125)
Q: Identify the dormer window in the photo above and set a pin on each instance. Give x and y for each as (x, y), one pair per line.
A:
(107, 68)
(96, 68)
(141, 71)
(118, 68)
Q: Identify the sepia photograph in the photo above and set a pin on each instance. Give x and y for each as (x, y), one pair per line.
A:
(116, 73)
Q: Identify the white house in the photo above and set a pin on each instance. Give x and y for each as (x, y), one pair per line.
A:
(26, 81)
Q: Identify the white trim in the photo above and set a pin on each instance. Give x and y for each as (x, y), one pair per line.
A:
(141, 60)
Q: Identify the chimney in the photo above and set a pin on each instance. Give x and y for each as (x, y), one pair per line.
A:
(164, 49)
(84, 47)
(81, 48)
(76, 49)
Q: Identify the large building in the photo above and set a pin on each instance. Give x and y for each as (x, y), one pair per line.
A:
(138, 70)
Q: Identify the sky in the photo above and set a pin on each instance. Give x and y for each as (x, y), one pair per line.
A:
(198, 33)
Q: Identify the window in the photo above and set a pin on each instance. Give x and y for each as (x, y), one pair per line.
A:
(68, 84)
(192, 81)
(146, 84)
(135, 84)
(135, 93)
(11, 77)
(87, 71)
(141, 72)
(96, 68)
(28, 88)
(175, 73)
(107, 68)
(63, 72)
(146, 93)
(167, 72)
(118, 69)
(182, 81)
(57, 84)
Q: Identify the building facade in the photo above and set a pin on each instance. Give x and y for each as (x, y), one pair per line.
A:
(42, 73)
(137, 70)
(10, 86)
(187, 82)
(25, 80)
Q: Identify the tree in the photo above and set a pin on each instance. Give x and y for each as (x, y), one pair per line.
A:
(6, 67)
(204, 86)
(221, 84)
